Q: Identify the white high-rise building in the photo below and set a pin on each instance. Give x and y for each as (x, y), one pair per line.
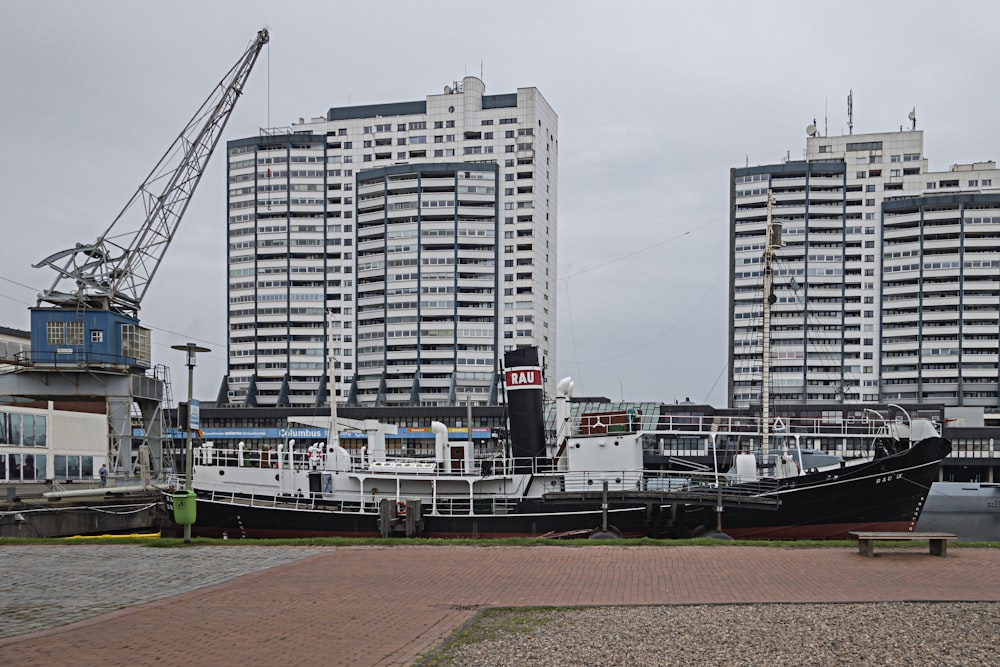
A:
(418, 237)
(887, 287)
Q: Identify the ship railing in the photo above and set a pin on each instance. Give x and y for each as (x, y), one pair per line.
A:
(356, 501)
(736, 424)
(482, 466)
(666, 481)
(462, 504)
(705, 482)
(395, 466)
(726, 445)
(265, 497)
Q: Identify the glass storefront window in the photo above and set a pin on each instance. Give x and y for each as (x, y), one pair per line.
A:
(41, 472)
(27, 430)
(73, 467)
(15, 429)
(14, 467)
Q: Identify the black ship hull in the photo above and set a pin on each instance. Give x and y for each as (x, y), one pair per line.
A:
(233, 519)
(885, 494)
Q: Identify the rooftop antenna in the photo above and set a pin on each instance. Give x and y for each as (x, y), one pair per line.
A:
(913, 118)
(850, 112)
(826, 117)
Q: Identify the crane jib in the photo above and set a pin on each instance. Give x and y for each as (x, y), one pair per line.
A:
(115, 271)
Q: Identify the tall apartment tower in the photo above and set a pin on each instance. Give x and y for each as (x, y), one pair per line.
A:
(407, 244)
(887, 287)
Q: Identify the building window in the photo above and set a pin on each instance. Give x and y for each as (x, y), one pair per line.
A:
(824, 149)
(64, 333)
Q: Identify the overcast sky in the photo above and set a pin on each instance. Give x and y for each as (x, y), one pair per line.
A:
(656, 102)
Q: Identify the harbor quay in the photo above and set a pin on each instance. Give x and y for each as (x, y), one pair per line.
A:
(391, 605)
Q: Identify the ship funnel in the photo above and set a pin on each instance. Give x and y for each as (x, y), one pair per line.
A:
(523, 383)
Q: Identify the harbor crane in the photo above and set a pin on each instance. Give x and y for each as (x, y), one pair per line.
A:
(115, 271)
(86, 341)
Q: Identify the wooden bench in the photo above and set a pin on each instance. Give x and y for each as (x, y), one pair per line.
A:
(938, 541)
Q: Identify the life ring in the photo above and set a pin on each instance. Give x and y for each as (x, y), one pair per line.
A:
(400, 508)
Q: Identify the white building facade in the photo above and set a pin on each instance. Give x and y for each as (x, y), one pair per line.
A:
(45, 443)
(886, 287)
(14, 346)
(411, 242)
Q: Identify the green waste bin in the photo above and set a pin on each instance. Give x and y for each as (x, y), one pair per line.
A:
(185, 509)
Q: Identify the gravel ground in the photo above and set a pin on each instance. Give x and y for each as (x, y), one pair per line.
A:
(885, 633)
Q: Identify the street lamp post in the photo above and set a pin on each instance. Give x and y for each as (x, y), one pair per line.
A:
(192, 350)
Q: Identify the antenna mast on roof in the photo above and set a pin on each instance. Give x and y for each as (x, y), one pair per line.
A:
(850, 112)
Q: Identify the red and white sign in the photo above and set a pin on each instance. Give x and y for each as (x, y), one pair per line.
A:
(524, 377)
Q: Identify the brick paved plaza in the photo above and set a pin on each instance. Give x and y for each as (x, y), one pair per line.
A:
(231, 605)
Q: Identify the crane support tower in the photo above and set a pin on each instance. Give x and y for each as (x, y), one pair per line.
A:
(86, 343)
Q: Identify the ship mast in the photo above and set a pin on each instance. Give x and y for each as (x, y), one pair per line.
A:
(333, 436)
(771, 245)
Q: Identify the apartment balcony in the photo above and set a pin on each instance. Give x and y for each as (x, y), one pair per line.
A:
(989, 374)
(779, 184)
(826, 198)
(820, 180)
(900, 234)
